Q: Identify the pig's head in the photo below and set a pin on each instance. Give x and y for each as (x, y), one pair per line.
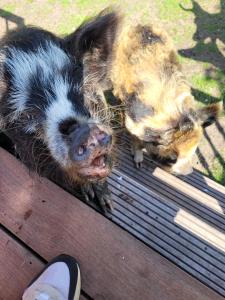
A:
(81, 139)
(87, 148)
(174, 148)
(51, 96)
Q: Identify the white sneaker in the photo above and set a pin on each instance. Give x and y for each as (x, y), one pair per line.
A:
(60, 280)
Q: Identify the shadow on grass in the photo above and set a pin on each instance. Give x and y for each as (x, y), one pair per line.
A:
(210, 31)
(204, 97)
(209, 48)
(11, 18)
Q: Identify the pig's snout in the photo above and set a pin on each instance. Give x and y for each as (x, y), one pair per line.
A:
(86, 141)
(104, 139)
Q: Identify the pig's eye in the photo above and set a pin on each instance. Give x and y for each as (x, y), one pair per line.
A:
(155, 144)
(172, 158)
(169, 159)
(67, 126)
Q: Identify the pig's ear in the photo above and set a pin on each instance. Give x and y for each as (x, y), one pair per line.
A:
(98, 33)
(209, 114)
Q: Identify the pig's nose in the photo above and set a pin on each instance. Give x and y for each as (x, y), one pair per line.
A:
(187, 171)
(104, 138)
(81, 152)
(182, 170)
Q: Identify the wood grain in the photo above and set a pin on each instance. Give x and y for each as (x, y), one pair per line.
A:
(188, 241)
(17, 268)
(114, 265)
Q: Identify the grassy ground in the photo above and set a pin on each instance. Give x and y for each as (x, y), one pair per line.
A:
(197, 28)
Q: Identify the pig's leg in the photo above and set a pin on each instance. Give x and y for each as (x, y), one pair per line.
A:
(100, 193)
(88, 192)
(137, 151)
(103, 195)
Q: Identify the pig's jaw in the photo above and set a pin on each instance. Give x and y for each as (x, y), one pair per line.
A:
(98, 166)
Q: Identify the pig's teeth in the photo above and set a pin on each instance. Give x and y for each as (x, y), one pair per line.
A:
(99, 162)
(102, 161)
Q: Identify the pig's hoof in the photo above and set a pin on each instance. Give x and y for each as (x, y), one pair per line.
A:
(103, 196)
(88, 192)
(138, 158)
(99, 193)
(104, 202)
(138, 165)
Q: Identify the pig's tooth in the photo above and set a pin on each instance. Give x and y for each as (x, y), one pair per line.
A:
(102, 161)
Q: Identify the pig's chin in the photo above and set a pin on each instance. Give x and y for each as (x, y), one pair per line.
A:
(98, 168)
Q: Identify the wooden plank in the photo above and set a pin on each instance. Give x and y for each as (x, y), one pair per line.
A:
(198, 205)
(196, 179)
(197, 182)
(206, 185)
(18, 267)
(114, 264)
(173, 216)
(167, 186)
(186, 240)
(192, 192)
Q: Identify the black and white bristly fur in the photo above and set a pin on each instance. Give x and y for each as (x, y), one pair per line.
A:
(48, 103)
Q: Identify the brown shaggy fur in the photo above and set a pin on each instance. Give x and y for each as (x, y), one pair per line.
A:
(160, 110)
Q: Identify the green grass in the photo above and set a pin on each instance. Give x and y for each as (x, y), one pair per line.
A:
(218, 171)
(8, 9)
(94, 6)
(172, 13)
(84, 3)
(72, 22)
(207, 85)
(211, 88)
(171, 9)
(64, 3)
(86, 9)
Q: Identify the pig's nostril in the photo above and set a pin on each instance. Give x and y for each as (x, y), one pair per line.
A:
(105, 139)
(81, 150)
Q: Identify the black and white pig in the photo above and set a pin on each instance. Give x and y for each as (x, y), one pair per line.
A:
(49, 104)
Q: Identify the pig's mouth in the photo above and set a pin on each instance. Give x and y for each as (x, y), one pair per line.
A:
(97, 166)
(99, 161)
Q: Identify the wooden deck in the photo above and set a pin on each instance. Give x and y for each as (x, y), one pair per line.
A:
(165, 239)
